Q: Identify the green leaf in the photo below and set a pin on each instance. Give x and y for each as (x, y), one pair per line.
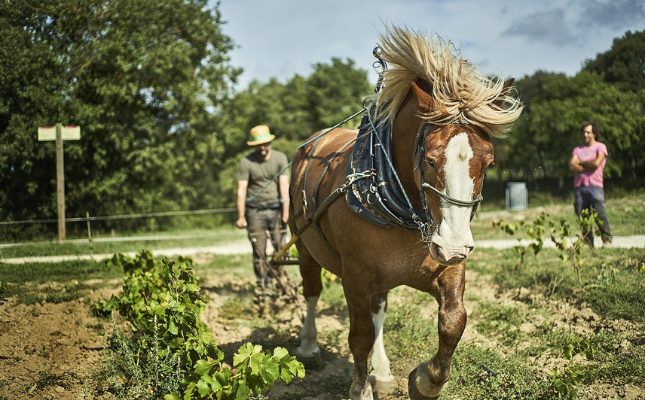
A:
(243, 359)
(242, 392)
(203, 367)
(280, 353)
(203, 388)
(172, 328)
(269, 370)
(213, 383)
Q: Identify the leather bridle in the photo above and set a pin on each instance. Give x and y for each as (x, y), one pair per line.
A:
(419, 154)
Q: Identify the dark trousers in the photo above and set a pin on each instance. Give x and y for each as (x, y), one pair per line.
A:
(261, 222)
(592, 197)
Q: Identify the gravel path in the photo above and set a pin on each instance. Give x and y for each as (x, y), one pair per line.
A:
(243, 246)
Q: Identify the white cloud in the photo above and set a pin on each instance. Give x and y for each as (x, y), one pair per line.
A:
(283, 37)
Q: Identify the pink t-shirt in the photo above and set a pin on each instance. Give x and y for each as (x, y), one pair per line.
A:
(589, 153)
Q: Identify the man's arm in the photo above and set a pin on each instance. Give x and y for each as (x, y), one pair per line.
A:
(241, 203)
(283, 184)
(574, 164)
(593, 164)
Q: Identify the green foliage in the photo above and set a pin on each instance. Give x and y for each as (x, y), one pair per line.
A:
(616, 294)
(141, 368)
(293, 111)
(163, 301)
(571, 250)
(564, 383)
(622, 65)
(531, 240)
(609, 91)
(143, 94)
(561, 233)
(253, 370)
(169, 294)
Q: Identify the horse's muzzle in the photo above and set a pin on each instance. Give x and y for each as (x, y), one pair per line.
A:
(449, 256)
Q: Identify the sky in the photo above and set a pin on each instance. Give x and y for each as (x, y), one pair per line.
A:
(281, 38)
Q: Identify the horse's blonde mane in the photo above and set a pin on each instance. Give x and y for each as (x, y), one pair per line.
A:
(461, 92)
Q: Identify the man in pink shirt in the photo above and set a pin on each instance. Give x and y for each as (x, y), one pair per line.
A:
(588, 162)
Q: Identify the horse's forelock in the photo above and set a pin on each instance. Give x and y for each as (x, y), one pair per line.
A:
(460, 90)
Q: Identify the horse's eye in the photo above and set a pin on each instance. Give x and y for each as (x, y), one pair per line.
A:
(430, 163)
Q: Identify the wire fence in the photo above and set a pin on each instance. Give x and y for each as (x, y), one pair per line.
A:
(123, 216)
(11, 228)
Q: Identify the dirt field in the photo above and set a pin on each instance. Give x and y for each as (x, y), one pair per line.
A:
(48, 351)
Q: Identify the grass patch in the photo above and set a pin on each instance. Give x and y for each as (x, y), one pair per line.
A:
(42, 272)
(122, 244)
(625, 211)
(332, 294)
(481, 373)
(612, 280)
(23, 280)
(410, 336)
(236, 307)
(502, 322)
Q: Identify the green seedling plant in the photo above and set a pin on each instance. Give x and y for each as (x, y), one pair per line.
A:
(163, 300)
(534, 233)
(571, 249)
(564, 384)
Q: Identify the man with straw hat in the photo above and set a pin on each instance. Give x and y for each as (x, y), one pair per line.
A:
(262, 199)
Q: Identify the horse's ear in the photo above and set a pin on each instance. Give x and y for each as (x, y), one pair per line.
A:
(499, 102)
(424, 99)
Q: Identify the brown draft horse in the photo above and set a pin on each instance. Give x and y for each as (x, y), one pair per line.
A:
(441, 111)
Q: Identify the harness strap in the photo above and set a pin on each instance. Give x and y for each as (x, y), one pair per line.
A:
(451, 200)
(419, 151)
(317, 211)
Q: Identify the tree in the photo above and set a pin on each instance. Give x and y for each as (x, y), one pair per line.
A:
(521, 139)
(623, 64)
(293, 111)
(335, 92)
(143, 79)
(550, 128)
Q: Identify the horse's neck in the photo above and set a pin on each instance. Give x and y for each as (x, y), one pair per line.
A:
(404, 132)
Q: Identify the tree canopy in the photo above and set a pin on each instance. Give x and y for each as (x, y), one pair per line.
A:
(549, 129)
(293, 110)
(140, 78)
(162, 126)
(623, 64)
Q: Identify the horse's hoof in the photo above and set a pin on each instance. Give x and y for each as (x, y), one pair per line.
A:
(308, 350)
(383, 386)
(413, 392)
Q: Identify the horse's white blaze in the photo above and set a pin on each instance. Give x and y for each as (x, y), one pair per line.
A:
(308, 346)
(454, 234)
(380, 363)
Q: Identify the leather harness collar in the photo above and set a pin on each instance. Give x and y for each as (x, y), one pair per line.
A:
(376, 197)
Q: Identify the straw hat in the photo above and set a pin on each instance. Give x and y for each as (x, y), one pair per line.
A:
(259, 135)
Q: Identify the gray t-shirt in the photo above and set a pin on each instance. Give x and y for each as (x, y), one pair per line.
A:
(259, 172)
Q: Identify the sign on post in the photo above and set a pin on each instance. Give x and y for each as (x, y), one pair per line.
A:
(48, 133)
(58, 134)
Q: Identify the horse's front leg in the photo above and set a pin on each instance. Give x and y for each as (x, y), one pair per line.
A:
(361, 334)
(312, 286)
(427, 380)
(380, 377)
